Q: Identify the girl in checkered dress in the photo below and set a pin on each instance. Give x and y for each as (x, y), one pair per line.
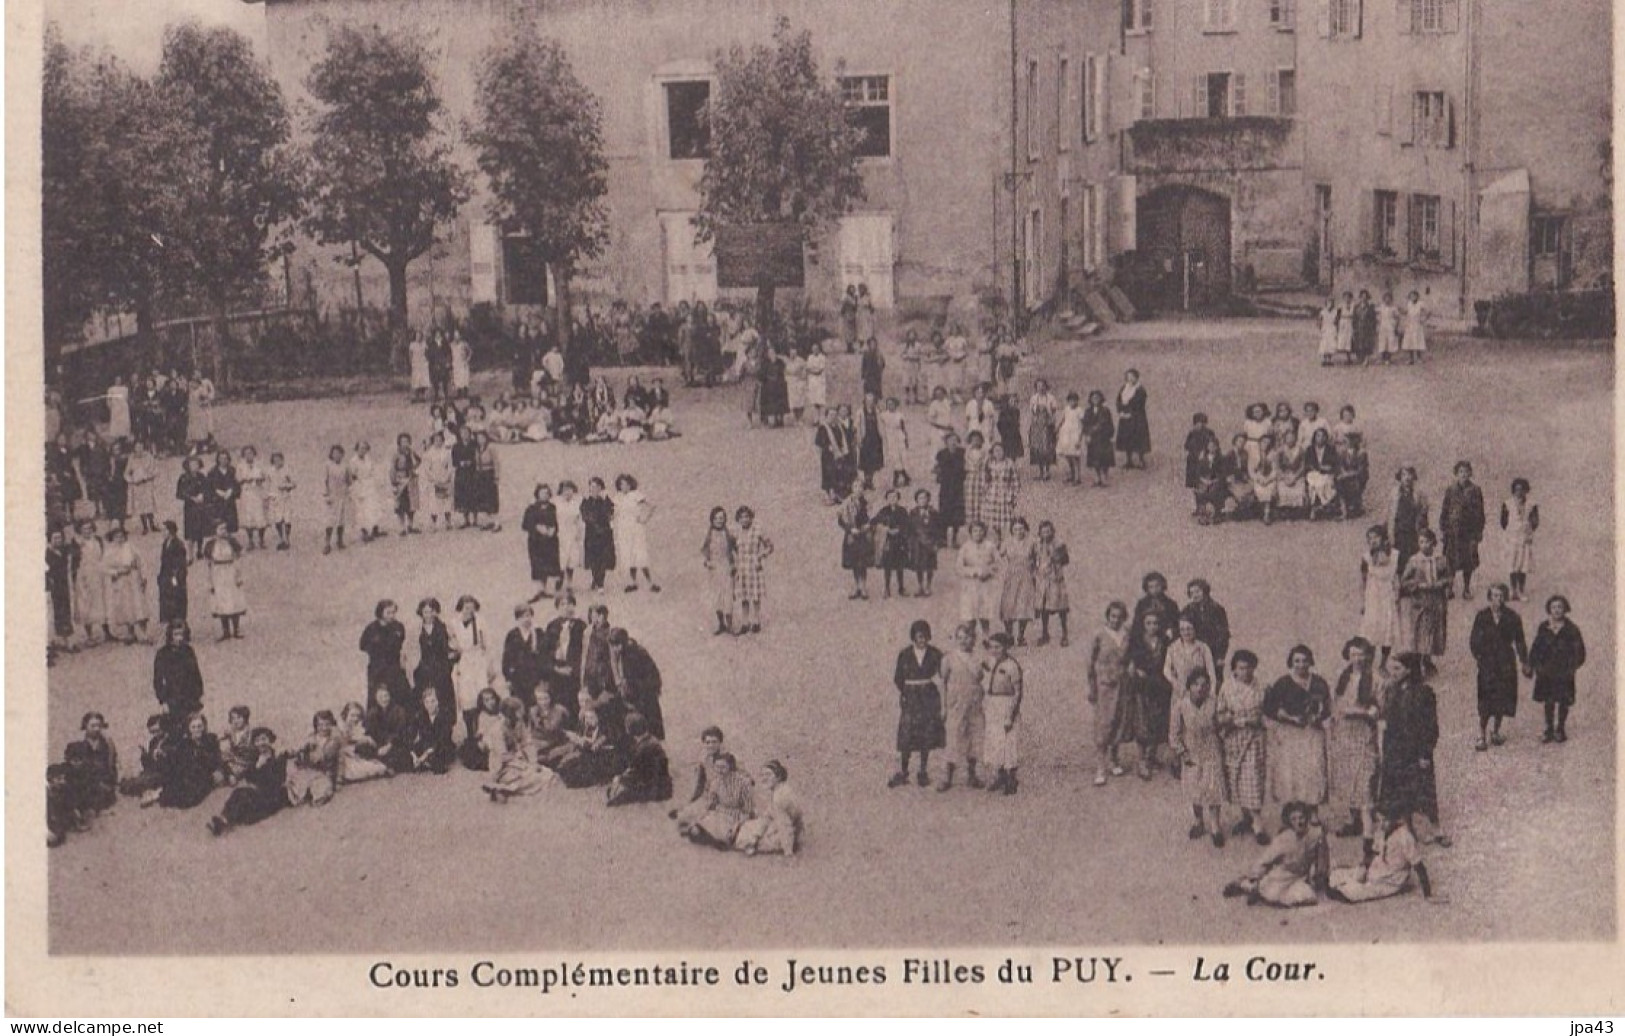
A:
(1241, 731)
(1001, 490)
(751, 548)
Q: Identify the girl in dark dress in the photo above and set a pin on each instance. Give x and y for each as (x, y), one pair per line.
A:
(176, 680)
(1408, 784)
(192, 490)
(919, 722)
(116, 497)
(1197, 440)
(60, 563)
(1498, 645)
(872, 368)
(464, 493)
(390, 727)
(774, 400)
(597, 519)
(541, 525)
(1148, 696)
(95, 773)
(383, 640)
(431, 740)
(857, 542)
(1558, 653)
(1008, 426)
(192, 767)
(951, 474)
(435, 656)
(893, 533)
(1133, 426)
(924, 541)
(871, 447)
(223, 491)
(1099, 433)
(404, 481)
(487, 495)
(263, 791)
(833, 445)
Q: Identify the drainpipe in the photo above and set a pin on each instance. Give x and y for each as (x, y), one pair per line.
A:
(1015, 177)
(1469, 142)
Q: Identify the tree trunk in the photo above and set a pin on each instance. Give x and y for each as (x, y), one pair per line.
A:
(397, 313)
(219, 363)
(566, 309)
(145, 334)
(766, 318)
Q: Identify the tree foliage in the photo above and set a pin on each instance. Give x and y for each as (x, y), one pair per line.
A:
(382, 173)
(782, 147)
(538, 137)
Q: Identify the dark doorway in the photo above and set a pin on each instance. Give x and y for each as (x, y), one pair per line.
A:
(1185, 233)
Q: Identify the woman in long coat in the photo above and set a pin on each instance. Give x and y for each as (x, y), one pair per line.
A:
(1149, 695)
(464, 492)
(1498, 646)
(1099, 433)
(383, 640)
(541, 525)
(177, 682)
(1133, 425)
(950, 473)
(223, 492)
(435, 657)
(1558, 653)
(1352, 744)
(1108, 669)
(1411, 711)
(1424, 587)
(1296, 708)
(918, 677)
(871, 445)
(192, 490)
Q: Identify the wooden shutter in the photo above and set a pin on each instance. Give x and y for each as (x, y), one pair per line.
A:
(482, 254)
(1447, 233)
(1199, 96)
(1238, 95)
(1103, 96)
(1449, 122)
(1359, 18)
(1323, 18)
(1272, 85)
(1124, 222)
(1151, 94)
(1450, 16)
(1367, 234)
(1405, 16)
(1407, 120)
(1128, 15)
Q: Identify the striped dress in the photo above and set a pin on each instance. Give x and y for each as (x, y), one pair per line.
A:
(1000, 491)
(1241, 725)
(1352, 745)
(750, 548)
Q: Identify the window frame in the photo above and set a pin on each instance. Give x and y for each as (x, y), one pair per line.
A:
(1091, 98)
(1140, 18)
(1063, 106)
(1345, 19)
(1283, 15)
(1421, 206)
(1430, 119)
(1145, 95)
(1278, 107)
(1385, 223)
(1034, 93)
(1225, 23)
(666, 84)
(1543, 225)
(890, 104)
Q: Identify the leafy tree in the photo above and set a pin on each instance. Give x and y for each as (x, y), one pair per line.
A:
(240, 210)
(537, 133)
(782, 149)
(383, 177)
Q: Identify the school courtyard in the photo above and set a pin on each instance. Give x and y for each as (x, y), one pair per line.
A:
(423, 863)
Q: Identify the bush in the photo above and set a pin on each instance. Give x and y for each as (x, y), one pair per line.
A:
(1549, 314)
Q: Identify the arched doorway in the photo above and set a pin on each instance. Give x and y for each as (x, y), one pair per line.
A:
(1179, 224)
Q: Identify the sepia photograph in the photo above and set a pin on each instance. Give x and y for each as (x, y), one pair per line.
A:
(798, 479)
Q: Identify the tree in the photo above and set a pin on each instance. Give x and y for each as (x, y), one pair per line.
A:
(782, 149)
(540, 145)
(382, 174)
(239, 211)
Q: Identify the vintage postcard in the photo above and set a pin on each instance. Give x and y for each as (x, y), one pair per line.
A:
(1036, 507)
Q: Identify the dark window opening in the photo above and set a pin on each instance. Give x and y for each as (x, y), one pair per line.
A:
(524, 273)
(688, 132)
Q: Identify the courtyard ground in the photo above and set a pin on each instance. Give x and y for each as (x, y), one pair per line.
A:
(425, 863)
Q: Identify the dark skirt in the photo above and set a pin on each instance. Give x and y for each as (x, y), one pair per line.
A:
(919, 724)
(1100, 455)
(951, 503)
(858, 552)
(1408, 787)
(544, 557)
(464, 496)
(250, 805)
(599, 547)
(1134, 433)
(871, 451)
(1559, 689)
(1497, 691)
(486, 498)
(195, 520)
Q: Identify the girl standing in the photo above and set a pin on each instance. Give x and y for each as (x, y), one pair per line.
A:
(192, 490)
(939, 418)
(435, 658)
(817, 380)
(718, 552)
(1187, 655)
(892, 538)
(795, 380)
(924, 541)
(572, 533)
(1041, 438)
(1133, 425)
(1424, 587)
(141, 474)
(1149, 693)
(1001, 491)
(1099, 435)
(1520, 517)
(1069, 438)
(1296, 708)
(366, 492)
(464, 494)
(918, 677)
(894, 435)
(857, 542)
(632, 513)
(751, 549)
(435, 478)
(251, 479)
(382, 641)
(978, 564)
(1241, 728)
(1019, 594)
(1352, 745)
(487, 484)
(1387, 328)
(541, 526)
(1328, 331)
(1345, 327)
(1409, 785)
(1415, 342)
(1001, 705)
(598, 532)
(870, 441)
(1107, 674)
(950, 474)
(981, 418)
(1379, 592)
(223, 553)
(472, 676)
(1194, 739)
(404, 482)
(336, 495)
(962, 704)
(1558, 653)
(126, 587)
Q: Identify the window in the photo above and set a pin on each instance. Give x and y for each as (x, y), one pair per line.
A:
(1342, 19)
(1284, 14)
(1284, 93)
(1219, 95)
(1091, 97)
(1032, 110)
(1546, 236)
(868, 107)
(1219, 15)
(1433, 121)
(1063, 104)
(1385, 234)
(687, 132)
(524, 274)
(1426, 240)
(1145, 93)
(1429, 16)
(1137, 15)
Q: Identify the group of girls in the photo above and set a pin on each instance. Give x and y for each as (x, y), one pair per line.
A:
(726, 810)
(88, 478)
(1363, 331)
(455, 471)
(735, 570)
(1088, 435)
(1280, 465)
(893, 538)
(598, 533)
(1011, 578)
